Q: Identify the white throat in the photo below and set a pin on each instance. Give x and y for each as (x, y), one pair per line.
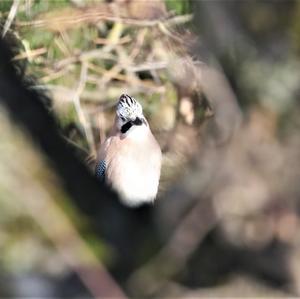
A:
(137, 132)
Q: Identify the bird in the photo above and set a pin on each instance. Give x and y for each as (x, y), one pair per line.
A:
(130, 158)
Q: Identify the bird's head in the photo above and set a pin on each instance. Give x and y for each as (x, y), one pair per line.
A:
(129, 114)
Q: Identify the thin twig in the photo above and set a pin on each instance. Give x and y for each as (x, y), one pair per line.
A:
(99, 70)
(164, 29)
(110, 74)
(84, 57)
(156, 65)
(11, 16)
(30, 54)
(139, 43)
(56, 74)
(99, 16)
(103, 41)
(75, 145)
(78, 108)
(140, 85)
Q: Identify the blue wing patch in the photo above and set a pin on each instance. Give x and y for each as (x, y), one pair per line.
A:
(100, 170)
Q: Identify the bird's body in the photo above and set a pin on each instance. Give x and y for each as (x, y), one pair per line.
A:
(131, 157)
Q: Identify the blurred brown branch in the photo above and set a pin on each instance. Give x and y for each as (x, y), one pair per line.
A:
(100, 16)
(171, 259)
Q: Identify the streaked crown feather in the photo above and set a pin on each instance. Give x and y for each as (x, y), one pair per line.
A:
(128, 107)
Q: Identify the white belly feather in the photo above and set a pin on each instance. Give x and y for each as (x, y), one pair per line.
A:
(134, 172)
(138, 182)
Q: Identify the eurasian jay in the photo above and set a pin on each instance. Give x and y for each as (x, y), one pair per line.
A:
(130, 158)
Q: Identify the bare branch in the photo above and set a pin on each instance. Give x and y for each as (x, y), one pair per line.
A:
(80, 113)
(11, 16)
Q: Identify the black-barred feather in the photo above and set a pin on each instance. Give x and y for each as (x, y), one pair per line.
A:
(100, 170)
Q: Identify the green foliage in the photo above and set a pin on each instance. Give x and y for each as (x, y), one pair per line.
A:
(41, 6)
(179, 6)
(5, 5)
(38, 38)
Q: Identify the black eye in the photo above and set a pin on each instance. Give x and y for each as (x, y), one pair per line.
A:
(122, 118)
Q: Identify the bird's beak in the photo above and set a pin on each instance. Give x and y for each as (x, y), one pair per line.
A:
(137, 122)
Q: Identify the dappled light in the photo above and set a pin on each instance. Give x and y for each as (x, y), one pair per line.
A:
(219, 85)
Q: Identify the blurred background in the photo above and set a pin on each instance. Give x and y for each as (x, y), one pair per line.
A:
(219, 83)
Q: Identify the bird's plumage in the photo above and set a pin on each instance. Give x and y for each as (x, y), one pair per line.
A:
(131, 155)
(100, 170)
